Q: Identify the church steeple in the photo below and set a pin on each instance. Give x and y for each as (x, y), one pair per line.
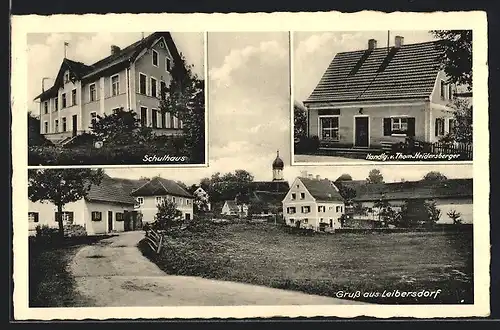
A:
(278, 166)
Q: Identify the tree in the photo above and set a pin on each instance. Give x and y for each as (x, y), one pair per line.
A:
(120, 128)
(230, 186)
(413, 213)
(375, 176)
(299, 120)
(61, 186)
(344, 177)
(183, 185)
(167, 215)
(462, 130)
(455, 217)
(185, 99)
(456, 61)
(347, 193)
(434, 213)
(434, 176)
(34, 136)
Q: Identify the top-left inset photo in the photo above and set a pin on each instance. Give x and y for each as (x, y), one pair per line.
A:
(116, 99)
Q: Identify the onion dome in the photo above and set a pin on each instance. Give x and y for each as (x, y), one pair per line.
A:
(278, 163)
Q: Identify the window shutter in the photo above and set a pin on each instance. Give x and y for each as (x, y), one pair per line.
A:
(387, 127)
(35, 217)
(436, 127)
(55, 216)
(411, 126)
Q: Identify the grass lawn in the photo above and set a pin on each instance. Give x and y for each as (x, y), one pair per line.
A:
(50, 283)
(325, 264)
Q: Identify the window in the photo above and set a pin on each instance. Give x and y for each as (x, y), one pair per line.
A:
(188, 202)
(291, 210)
(67, 217)
(140, 200)
(73, 97)
(329, 128)
(399, 126)
(33, 216)
(93, 117)
(176, 122)
(119, 216)
(158, 200)
(143, 83)
(115, 85)
(442, 92)
(46, 107)
(181, 124)
(321, 208)
(163, 90)
(63, 124)
(56, 126)
(439, 127)
(293, 196)
(168, 64)
(66, 77)
(450, 91)
(302, 195)
(63, 95)
(115, 110)
(173, 199)
(292, 221)
(46, 127)
(306, 209)
(144, 116)
(154, 86)
(56, 103)
(96, 216)
(155, 57)
(338, 209)
(306, 221)
(168, 119)
(92, 92)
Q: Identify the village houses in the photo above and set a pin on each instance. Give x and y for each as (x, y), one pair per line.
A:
(115, 205)
(133, 78)
(379, 96)
(313, 203)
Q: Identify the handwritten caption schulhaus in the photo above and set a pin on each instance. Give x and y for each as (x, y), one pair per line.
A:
(163, 159)
(389, 294)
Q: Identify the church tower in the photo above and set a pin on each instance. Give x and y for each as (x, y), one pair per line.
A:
(278, 166)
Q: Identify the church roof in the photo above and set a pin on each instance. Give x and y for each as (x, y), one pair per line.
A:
(278, 162)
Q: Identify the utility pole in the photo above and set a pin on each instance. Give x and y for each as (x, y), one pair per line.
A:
(388, 38)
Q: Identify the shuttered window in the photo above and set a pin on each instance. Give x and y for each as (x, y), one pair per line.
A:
(96, 216)
(399, 125)
(439, 127)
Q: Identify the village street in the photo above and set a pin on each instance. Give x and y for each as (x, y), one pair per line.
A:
(113, 272)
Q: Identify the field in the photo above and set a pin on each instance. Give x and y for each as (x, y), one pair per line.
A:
(337, 265)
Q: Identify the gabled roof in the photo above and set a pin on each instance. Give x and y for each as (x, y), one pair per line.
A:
(400, 73)
(322, 189)
(271, 186)
(231, 204)
(451, 188)
(160, 187)
(114, 190)
(111, 63)
(270, 198)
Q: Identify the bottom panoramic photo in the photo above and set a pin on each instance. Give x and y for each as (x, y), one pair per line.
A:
(286, 236)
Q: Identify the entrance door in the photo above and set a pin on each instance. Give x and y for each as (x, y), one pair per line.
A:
(188, 216)
(361, 132)
(126, 221)
(75, 124)
(110, 221)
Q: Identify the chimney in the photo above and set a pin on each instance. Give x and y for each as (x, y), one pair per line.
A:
(372, 44)
(114, 49)
(310, 176)
(303, 174)
(398, 41)
(318, 177)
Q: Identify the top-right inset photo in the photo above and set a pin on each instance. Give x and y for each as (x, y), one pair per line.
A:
(381, 96)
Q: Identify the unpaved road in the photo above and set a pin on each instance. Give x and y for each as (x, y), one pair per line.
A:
(114, 272)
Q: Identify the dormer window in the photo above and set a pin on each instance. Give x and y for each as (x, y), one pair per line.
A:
(66, 77)
(155, 58)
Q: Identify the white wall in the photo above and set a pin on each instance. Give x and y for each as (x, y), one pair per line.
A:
(149, 207)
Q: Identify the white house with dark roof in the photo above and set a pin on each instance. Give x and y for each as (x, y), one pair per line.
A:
(313, 203)
(381, 95)
(132, 78)
(108, 207)
(154, 192)
(451, 194)
(232, 208)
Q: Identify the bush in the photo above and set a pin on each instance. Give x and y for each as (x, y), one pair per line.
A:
(46, 235)
(74, 231)
(84, 139)
(307, 144)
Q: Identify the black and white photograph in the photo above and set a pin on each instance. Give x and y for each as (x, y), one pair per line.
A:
(233, 173)
(116, 98)
(382, 96)
(274, 235)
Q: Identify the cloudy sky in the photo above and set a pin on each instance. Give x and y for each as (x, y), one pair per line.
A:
(249, 116)
(313, 52)
(46, 52)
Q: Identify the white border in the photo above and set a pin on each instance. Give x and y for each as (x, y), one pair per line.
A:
(247, 22)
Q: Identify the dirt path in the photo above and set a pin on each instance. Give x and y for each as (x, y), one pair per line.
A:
(115, 273)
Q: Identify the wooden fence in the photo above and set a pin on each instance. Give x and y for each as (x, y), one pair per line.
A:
(456, 148)
(154, 240)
